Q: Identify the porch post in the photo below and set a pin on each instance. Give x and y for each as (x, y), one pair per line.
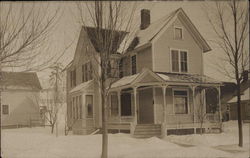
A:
(194, 106)
(164, 111)
(135, 102)
(119, 106)
(164, 103)
(219, 93)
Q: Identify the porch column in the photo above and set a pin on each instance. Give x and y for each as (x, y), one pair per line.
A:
(164, 103)
(135, 102)
(163, 128)
(119, 105)
(219, 93)
(194, 103)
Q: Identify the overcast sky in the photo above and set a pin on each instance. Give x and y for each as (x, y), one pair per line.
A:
(68, 29)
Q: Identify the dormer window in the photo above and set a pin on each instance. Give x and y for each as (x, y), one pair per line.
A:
(179, 61)
(178, 34)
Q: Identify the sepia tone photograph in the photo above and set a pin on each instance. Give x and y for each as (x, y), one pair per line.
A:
(124, 79)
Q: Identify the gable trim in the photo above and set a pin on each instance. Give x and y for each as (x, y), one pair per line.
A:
(182, 16)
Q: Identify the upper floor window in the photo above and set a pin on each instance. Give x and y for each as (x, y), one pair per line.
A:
(5, 109)
(178, 34)
(87, 73)
(179, 61)
(73, 78)
(133, 62)
(181, 101)
(121, 68)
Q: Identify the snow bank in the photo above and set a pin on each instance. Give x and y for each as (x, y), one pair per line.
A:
(39, 143)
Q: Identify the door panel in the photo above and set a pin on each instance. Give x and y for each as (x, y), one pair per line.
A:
(146, 107)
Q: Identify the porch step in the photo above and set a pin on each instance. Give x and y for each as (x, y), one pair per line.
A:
(147, 130)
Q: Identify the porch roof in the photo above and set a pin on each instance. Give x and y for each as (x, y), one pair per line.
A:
(162, 78)
(187, 78)
(81, 86)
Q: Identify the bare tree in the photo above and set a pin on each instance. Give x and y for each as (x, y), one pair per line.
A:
(208, 109)
(24, 28)
(201, 110)
(56, 81)
(110, 23)
(230, 21)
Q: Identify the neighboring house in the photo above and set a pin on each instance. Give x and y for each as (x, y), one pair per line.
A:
(19, 94)
(227, 92)
(160, 89)
(245, 103)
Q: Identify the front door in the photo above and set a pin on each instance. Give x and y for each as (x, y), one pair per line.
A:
(146, 106)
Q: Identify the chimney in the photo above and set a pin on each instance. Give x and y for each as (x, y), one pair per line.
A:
(145, 19)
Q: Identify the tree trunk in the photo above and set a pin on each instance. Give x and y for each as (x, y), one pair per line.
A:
(52, 128)
(104, 128)
(239, 114)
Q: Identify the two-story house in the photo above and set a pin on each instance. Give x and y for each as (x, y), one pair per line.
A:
(161, 88)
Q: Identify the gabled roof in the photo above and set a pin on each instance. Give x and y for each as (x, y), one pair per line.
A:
(145, 36)
(118, 37)
(26, 80)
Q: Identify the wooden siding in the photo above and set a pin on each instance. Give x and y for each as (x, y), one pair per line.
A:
(22, 109)
(144, 59)
(162, 46)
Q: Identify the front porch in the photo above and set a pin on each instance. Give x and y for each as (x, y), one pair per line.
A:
(152, 103)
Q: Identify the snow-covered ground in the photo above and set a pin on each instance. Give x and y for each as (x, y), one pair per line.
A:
(39, 143)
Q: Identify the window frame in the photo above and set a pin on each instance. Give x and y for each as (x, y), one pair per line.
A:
(8, 109)
(173, 96)
(180, 28)
(179, 60)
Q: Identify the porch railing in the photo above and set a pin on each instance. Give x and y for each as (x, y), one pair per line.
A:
(213, 117)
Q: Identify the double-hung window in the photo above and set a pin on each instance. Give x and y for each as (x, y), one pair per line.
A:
(5, 109)
(179, 61)
(180, 102)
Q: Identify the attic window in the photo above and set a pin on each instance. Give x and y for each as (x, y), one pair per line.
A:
(178, 34)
